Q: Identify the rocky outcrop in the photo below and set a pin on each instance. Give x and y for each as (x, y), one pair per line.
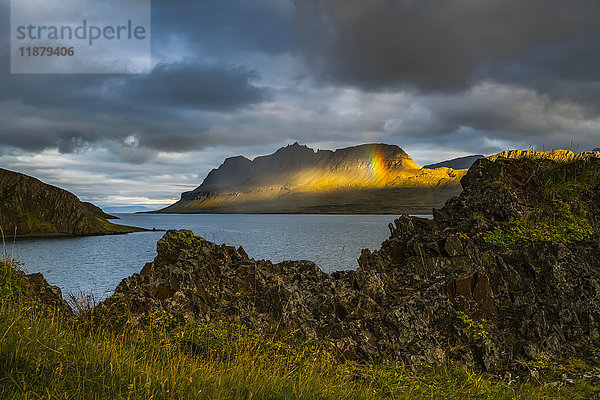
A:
(47, 294)
(29, 207)
(508, 270)
(16, 284)
(555, 155)
(370, 178)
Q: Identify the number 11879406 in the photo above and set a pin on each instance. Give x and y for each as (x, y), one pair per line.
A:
(46, 51)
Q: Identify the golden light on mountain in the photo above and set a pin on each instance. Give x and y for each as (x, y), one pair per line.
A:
(369, 178)
(378, 165)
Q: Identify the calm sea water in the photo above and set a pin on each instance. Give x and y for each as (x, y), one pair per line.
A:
(97, 264)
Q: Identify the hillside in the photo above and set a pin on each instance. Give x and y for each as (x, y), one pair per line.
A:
(371, 178)
(29, 207)
(456, 163)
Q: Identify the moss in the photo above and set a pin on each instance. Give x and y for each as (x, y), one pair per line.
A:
(161, 320)
(563, 228)
(36, 225)
(477, 329)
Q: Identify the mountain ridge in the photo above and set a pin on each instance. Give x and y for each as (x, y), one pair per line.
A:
(267, 170)
(298, 179)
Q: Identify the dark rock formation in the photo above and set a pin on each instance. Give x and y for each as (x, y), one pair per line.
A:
(508, 270)
(48, 294)
(14, 283)
(456, 163)
(29, 207)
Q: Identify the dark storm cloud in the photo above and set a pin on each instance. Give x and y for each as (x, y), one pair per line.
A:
(72, 142)
(190, 85)
(226, 26)
(43, 111)
(450, 44)
(179, 98)
(185, 84)
(568, 70)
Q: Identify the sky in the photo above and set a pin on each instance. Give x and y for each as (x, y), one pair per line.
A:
(439, 78)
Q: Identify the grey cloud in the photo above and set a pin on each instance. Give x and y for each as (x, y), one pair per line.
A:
(72, 142)
(225, 27)
(188, 84)
(192, 85)
(492, 117)
(448, 44)
(75, 111)
(132, 154)
(178, 142)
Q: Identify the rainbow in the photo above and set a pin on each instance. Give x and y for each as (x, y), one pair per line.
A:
(377, 164)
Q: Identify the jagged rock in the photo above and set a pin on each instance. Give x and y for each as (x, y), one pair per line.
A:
(449, 288)
(48, 294)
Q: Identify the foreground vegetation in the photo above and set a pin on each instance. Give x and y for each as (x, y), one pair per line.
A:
(44, 355)
(559, 198)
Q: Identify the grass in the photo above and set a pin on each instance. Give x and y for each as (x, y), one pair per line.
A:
(35, 225)
(564, 228)
(561, 195)
(45, 356)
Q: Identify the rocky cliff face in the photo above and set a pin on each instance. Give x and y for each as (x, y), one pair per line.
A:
(508, 270)
(298, 179)
(29, 207)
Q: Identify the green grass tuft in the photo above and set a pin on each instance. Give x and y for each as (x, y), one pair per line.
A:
(562, 196)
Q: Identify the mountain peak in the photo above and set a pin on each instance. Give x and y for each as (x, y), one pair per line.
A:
(294, 148)
(298, 175)
(235, 160)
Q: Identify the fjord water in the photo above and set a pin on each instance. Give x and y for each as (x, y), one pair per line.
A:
(98, 263)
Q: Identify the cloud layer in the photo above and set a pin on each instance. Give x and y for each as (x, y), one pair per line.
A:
(440, 78)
